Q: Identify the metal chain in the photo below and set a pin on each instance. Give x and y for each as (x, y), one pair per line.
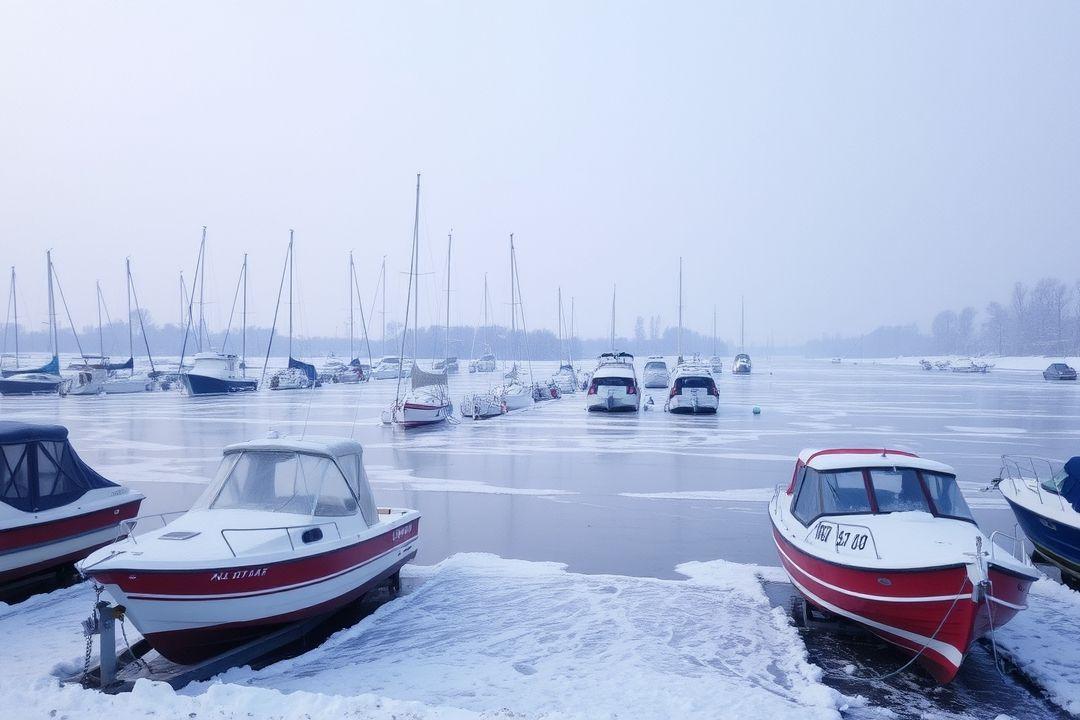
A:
(138, 658)
(90, 635)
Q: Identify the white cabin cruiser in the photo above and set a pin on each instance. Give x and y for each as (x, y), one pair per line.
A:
(288, 530)
(87, 381)
(614, 385)
(655, 374)
(741, 365)
(566, 379)
(693, 390)
(485, 363)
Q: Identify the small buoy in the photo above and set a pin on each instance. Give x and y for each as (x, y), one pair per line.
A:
(757, 410)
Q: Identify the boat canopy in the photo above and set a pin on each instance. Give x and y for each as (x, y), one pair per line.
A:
(1069, 485)
(39, 470)
(422, 378)
(307, 368)
(50, 368)
(315, 476)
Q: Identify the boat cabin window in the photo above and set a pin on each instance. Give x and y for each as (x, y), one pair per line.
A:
(694, 382)
(285, 482)
(355, 475)
(946, 495)
(898, 490)
(613, 382)
(843, 492)
(656, 365)
(14, 475)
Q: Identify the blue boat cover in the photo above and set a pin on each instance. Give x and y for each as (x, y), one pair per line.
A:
(128, 364)
(1070, 487)
(39, 470)
(306, 368)
(50, 368)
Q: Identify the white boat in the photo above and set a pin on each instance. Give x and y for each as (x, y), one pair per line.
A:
(216, 374)
(741, 365)
(288, 530)
(565, 378)
(614, 385)
(971, 365)
(297, 375)
(693, 390)
(481, 405)
(716, 365)
(54, 509)
(388, 368)
(43, 380)
(515, 393)
(655, 374)
(87, 381)
(485, 363)
(336, 370)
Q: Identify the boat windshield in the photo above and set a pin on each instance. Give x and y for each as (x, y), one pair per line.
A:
(282, 482)
(656, 365)
(847, 492)
(1055, 481)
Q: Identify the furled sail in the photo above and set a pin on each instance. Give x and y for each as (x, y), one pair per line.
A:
(421, 378)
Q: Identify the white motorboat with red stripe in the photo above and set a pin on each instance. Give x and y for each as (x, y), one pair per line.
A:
(287, 531)
(884, 538)
(54, 509)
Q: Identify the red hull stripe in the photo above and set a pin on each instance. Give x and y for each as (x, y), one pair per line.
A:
(28, 536)
(231, 579)
(259, 593)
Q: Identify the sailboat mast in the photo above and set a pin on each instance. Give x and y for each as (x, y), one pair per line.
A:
(202, 289)
(290, 289)
(15, 305)
(52, 306)
(416, 266)
(714, 330)
(742, 323)
(513, 301)
(562, 349)
(243, 329)
(449, 247)
(131, 336)
(408, 295)
(487, 324)
(383, 305)
(614, 287)
(351, 271)
(101, 337)
(680, 309)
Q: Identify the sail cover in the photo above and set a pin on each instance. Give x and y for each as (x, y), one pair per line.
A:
(306, 368)
(50, 368)
(128, 364)
(39, 470)
(421, 378)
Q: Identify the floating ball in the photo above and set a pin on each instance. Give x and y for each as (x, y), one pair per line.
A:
(757, 410)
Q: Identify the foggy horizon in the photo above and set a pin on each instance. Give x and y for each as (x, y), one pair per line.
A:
(842, 167)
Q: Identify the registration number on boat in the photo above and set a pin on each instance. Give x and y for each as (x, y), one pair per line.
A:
(237, 574)
(844, 539)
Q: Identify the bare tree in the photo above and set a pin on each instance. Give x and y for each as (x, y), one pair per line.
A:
(995, 327)
(1020, 317)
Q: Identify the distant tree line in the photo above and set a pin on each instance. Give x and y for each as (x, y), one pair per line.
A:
(168, 340)
(1043, 319)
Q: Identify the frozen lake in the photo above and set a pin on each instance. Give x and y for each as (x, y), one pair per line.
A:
(642, 510)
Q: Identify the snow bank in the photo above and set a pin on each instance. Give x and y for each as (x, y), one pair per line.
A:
(481, 637)
(1042, 641)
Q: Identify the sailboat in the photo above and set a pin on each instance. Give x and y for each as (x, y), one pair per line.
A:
(741, 365)
(40, 380)
(565, 378)
(716, 363)
(297, 375)
(335, 370)
(515, 393)
(486, 362)
(449, 363)
(213, 373)
(13, 304)
(427, 400)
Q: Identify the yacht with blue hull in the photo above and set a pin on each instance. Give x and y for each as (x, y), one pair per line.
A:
(1045, 498)
(216, 374)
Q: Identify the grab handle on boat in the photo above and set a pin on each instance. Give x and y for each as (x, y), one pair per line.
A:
(1019, 544)
(126, 528)
(287, 529)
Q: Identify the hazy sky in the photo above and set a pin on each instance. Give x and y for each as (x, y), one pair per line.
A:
(843, 165)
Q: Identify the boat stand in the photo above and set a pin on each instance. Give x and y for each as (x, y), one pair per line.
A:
(118, 672)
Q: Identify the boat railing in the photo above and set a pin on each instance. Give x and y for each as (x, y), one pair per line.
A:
(1031, 471)
(1019, 549)
(287, 530)
(126, 528)
(848, 541)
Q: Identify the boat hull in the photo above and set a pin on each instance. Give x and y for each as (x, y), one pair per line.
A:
(411, 415)
(207, 385)
(17, 386)
(30, 549)
(1056, 541)
(191, 615)
(934, 612)
(690, 405)
(612, 403)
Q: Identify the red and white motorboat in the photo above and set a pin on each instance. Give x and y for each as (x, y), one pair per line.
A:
(288, 530)
(884, 538)
(54, 509)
